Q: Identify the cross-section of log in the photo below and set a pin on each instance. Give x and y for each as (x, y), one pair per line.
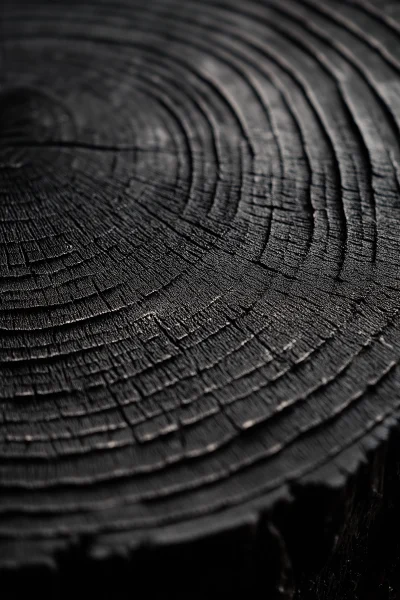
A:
(199, 272)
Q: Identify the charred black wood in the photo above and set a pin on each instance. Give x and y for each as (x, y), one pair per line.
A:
(199, 298)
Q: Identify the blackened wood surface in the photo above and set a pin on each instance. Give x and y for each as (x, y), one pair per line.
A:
(199, 293)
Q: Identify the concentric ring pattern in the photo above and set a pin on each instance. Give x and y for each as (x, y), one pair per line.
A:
(199, 260)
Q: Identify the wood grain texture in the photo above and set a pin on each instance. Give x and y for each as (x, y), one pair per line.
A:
(199, 284)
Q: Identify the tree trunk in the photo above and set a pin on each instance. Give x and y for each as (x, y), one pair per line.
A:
(199, 298)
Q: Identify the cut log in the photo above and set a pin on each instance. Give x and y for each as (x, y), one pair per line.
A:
(199, 298)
